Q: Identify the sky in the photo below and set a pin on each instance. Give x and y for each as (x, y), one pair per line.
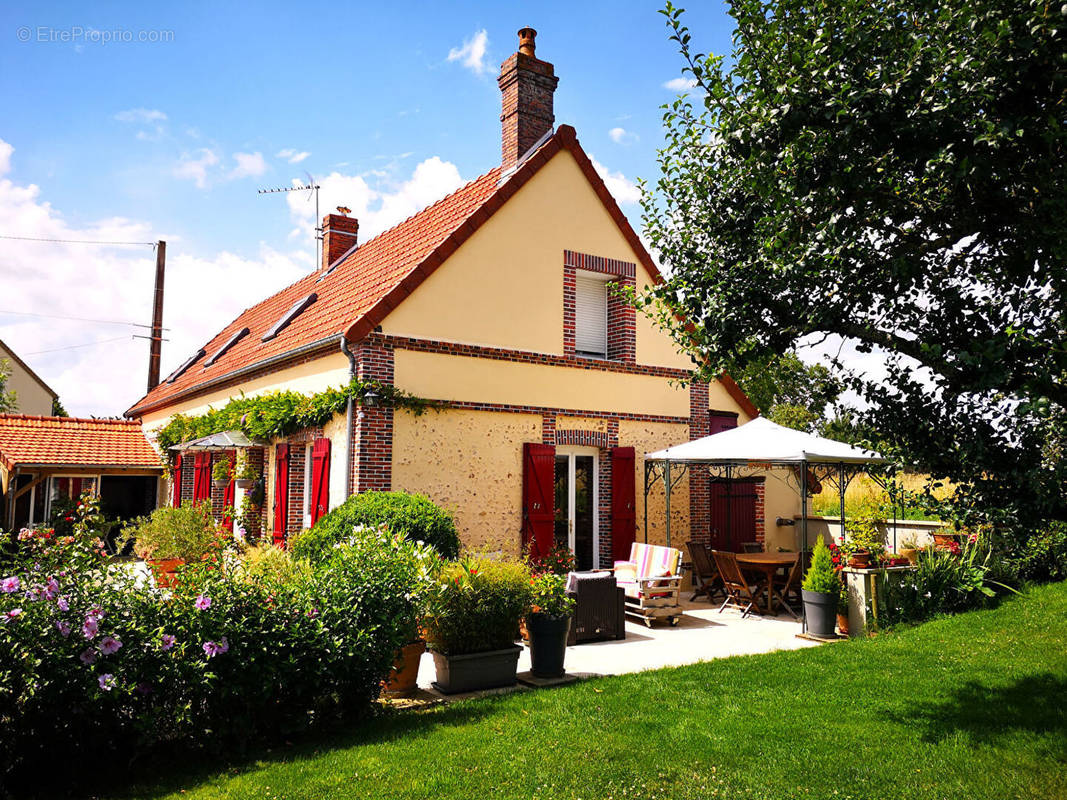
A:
(132, 122)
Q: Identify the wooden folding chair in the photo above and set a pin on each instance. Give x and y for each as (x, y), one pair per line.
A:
(787, 588)
(739, 592)
(706, 580)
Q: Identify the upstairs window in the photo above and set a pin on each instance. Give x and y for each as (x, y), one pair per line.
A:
(591, 315)
(234, 339)
(289, 316)
(185, 365)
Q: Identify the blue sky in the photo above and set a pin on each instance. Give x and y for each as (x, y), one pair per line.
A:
(170, 139)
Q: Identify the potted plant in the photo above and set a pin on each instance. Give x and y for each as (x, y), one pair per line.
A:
(909, 550)
(842, 608)
(548, 623)
(245, 475)
(821, 591)
(173, 536)
(221, 471)
(403, 677)
(472, 615)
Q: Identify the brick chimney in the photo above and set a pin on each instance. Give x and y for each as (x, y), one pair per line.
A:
(527, 85)
(338, 237)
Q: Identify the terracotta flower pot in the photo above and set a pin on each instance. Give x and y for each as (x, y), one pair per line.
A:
(910, 553)
(402, 679)
(842, 624)
(945, 540)
(861, 559)
(165, 571)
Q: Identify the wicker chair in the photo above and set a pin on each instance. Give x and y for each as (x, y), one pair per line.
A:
(740, 593)
(599, 608)
(706, 580)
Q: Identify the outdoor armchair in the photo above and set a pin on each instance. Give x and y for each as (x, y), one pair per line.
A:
(652, 582)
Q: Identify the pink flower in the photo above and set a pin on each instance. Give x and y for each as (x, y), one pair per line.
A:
(15, 612)
(51, 588)
(63, 627)
(224, 645)
(9, 585)
(96, 612)
(62, 604)
(109, 645)
(90, 628)
(88, 656)
(168, 641)
(216, 648)
(202, 602)
(106, 681)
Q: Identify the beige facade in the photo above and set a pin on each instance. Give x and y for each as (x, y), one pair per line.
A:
(33, 396)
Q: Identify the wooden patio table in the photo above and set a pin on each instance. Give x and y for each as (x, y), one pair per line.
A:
(768, 564)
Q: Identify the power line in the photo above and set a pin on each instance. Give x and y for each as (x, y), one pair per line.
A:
(78, 319)
(75, 346)
(73, 241)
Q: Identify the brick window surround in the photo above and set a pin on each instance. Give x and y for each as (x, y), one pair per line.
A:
(622, 317)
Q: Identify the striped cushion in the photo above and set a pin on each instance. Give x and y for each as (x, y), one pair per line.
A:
(653, 560)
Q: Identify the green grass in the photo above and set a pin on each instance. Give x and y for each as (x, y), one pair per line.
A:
(973, 706)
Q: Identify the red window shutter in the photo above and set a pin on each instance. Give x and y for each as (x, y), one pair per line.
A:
(281, 492)
(320, 479)
(227, 502)
(623, 502)
(538, 503)
(719, 421)
(176, 489)
(202, 477)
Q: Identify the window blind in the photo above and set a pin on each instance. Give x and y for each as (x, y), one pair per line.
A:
(590, 316)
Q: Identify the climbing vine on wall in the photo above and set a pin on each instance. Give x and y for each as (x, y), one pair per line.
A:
(280, 413)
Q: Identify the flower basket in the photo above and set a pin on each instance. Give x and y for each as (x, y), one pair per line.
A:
(243, 483)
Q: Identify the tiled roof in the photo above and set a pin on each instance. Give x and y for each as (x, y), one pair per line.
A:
(69, 441)
(371, 281)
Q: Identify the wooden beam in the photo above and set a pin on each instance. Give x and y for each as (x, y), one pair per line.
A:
(43, 476)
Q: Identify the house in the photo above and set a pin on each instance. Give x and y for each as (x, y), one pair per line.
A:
(494, 302)
(32, 395)
(43, 459)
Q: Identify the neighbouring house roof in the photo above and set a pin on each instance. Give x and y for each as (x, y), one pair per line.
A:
(28, 441)
(355, 294)
(10, 354)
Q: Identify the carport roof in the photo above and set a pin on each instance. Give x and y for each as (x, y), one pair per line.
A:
(31, 441)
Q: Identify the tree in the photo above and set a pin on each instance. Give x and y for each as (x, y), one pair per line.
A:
(891, 175)
(9, 401)
(57, 408)
(788, 391)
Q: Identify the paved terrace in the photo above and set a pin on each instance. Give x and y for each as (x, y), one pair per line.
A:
(702, 634)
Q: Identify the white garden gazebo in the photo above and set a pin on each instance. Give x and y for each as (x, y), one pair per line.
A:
(755, 447)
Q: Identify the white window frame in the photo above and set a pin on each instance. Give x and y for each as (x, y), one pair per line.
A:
(309, 467)
(50, 483)
(604, 280)
(570, 451)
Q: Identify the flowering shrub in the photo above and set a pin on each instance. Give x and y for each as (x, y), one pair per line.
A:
(548, 595)
(475, 605)
(95, 658)
(187, 532)
(559, 560)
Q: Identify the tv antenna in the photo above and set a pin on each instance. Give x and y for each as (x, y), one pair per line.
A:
(311, 188)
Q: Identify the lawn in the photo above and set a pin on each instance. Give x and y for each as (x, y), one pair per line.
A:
(973, 706)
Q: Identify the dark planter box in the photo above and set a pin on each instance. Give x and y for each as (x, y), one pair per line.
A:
(820, 610)
(472, 671)
(548, 644)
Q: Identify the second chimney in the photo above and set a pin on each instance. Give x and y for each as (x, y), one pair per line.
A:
(527, 85)
(338, 237)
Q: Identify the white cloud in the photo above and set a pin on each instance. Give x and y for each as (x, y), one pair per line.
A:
(622, 136)
(472, 54)
(623, 189)
(680, 84)
(248, 165)
(292, 156)
(203, 294)
(144, 116)
(5, 157)
(379, 204)
(195, 166)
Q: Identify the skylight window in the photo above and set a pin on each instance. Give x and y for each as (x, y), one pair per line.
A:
(185, 365)
(238, 336)
(289, 316)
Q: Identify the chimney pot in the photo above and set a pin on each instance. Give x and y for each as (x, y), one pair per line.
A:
(338, 237)
(527, 43)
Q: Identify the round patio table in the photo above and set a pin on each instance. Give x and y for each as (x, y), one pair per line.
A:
(767, 563)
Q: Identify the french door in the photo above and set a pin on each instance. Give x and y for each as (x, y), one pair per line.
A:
(576, 501)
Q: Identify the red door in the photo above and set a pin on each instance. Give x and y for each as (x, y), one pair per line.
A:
(538, 483)
(733, 514)
(623, 503)
(320, 479)
(228, 497)
(202, 477)
(281, 492)
(176, 488)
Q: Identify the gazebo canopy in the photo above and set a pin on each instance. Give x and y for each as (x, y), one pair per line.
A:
(763, 442)
(227, 440)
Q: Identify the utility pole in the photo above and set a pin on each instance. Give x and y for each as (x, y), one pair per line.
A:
(155, 343)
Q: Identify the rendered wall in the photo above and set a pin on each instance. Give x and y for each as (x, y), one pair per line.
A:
(514, 263)
(469, 462)
(31, 397)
